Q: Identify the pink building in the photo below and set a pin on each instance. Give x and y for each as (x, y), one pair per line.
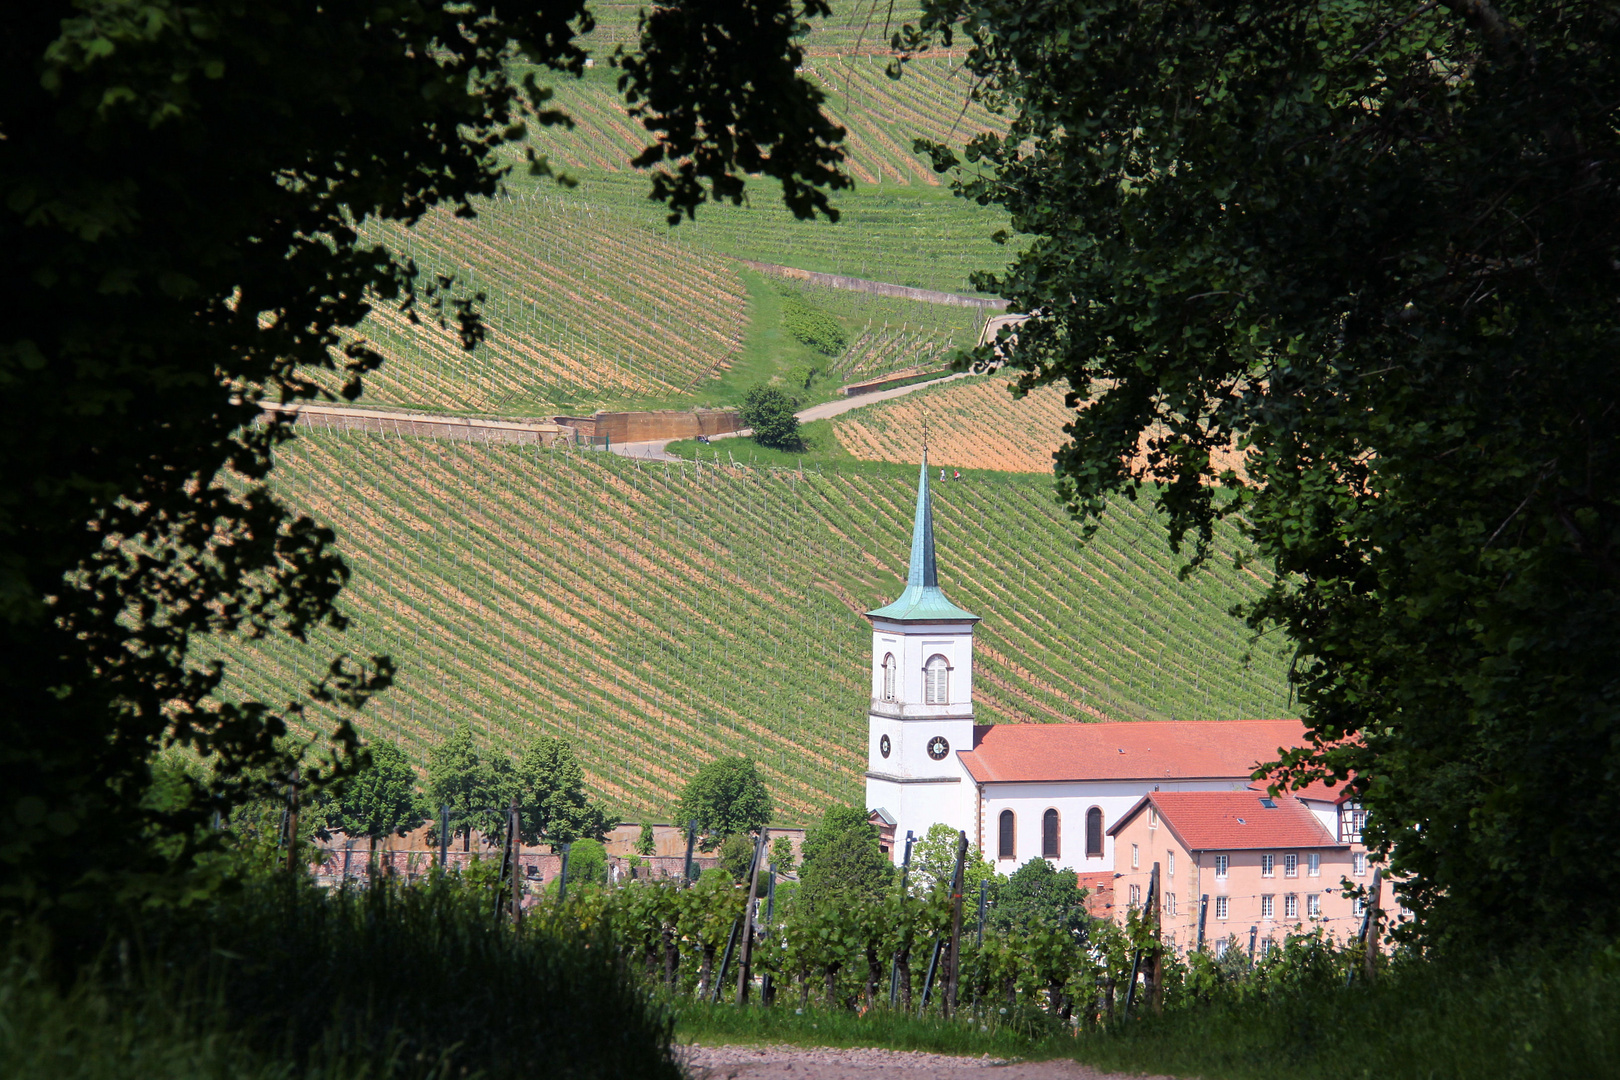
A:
(1249, 866)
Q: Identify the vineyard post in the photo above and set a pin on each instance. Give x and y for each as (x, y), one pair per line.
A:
(517, 869)
(292, 822)
(1369, 937)
(743, 972)
(562, 875)
(767, 992)
(948, 1003)
(1156, 969)
(1203, 913)
(905, 941)
(691, 837)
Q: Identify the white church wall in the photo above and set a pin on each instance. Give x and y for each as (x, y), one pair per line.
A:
(1071, 799)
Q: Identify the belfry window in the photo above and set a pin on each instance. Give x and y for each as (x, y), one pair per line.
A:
(890, 670)
(1094, 833)
(935, 675)
(1007, 849)
(1049, 835)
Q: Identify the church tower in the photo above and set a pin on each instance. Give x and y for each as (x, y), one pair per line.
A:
(922, 698)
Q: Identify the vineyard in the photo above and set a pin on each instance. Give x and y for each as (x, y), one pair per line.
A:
(658, 616)
(972, 424)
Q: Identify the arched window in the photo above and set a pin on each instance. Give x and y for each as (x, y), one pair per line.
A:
(1049, 835)
(890, 669)
(1008, 849)
(1094, 833)
(935, 675)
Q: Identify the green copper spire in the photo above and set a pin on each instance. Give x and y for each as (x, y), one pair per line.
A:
(922, 601)
(923, 571)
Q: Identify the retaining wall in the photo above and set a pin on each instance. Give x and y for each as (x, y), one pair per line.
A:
(461, 429)
(878, 288)
(623, 427)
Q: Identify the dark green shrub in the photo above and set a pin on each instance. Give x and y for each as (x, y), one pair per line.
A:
(812, 326)
(769, 412)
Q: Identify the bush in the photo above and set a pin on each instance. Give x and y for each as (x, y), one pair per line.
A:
(587, 862)
(737, 855)
(770, 413)
(283, 980)
(812, 326)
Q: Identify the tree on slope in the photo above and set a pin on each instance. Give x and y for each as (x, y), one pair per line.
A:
(726, 797)
(182, 190)
(769, 412)
(552, 804)
(1374, 245)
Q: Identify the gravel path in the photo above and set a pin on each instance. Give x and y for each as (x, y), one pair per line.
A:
(823, 1063)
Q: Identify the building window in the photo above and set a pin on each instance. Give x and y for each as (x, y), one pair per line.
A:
(1094, 833)
(1153, 816)
(1170, 860)
(1290, 906)
(1352, 819)
(1220, 907)
(1290, 866)
(1221, 863)
(1170, 902)
(1358, 906)
(890, 670)
(1136, 857)
(1007, 850)
(1049, 835)
(1268, 906)
(1358, 864)
(1268, 866)
(1313, 906)
(936, 674)
(1313, 862)
(1136, 896)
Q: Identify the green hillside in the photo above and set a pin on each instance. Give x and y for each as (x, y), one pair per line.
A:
(594, 301)
(659, 615)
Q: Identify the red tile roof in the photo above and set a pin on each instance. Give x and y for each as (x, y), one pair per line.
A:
(1137, 750)
(1100, 892)
(1233, 820)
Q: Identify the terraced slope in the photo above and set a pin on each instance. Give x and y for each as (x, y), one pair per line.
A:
(972, 424)
(659, 615)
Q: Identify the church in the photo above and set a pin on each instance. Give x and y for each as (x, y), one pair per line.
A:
(1057, 791)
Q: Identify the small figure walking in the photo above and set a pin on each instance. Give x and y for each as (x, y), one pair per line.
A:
(942, 476)
(956, 474)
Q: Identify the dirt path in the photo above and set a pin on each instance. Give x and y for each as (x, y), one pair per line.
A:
(813, 1063)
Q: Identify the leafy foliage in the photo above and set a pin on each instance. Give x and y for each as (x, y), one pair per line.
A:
(812, 326)
(769, 412)
(179, 256)
(737, 855)
(379, 799)
(1373, 246)
(843, 864)
(552, 804)
(782, 854)
(933, 862)
(476, 791)
(726, 797)
(1039, 894)
(645, 845)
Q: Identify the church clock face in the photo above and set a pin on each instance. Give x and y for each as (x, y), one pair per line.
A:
(883, 746)
(938, 748)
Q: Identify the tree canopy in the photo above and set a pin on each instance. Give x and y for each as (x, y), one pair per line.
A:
(1372, 247)
(381, 798)
(1039, 894)
(843, 862)
(182, 188)
(552, 804)
(726, 797)
(933, 862)
(769, 412)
